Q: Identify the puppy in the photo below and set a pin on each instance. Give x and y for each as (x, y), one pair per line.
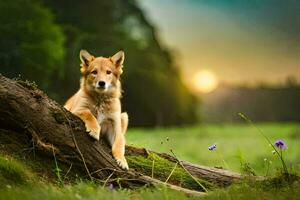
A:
(97, 102)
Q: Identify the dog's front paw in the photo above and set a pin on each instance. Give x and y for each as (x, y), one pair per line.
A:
(122, 163)
(93, 130)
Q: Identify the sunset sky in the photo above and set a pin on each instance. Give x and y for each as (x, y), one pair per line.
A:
(240, 41)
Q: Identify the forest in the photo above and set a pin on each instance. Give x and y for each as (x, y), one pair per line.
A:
(40, 41)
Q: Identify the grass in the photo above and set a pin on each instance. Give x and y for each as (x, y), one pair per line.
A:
(92, 191)
(250, 190)
(236, 144)
(88, 191)
(12, 172)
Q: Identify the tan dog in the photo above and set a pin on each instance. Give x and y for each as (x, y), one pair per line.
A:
(97, 102)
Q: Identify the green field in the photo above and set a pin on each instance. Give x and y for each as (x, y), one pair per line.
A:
(236, 144)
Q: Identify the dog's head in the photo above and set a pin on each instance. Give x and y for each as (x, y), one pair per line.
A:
(101, 74)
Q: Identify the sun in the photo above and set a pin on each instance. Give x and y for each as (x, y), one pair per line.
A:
(204, 81)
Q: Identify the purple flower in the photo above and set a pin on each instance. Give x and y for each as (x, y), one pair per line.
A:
(280, 144)
(212, 147)
(111, 186)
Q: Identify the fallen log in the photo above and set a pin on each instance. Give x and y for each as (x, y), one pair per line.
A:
(29, 117)
(216, 176)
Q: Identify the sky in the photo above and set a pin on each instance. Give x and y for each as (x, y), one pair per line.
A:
(240, 41)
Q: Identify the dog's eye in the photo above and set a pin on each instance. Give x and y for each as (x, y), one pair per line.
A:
(94, 72)
(108, 72)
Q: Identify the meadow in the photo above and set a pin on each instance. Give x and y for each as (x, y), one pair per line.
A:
(237, 146)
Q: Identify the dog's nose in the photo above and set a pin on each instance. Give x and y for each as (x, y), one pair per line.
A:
(101, 84)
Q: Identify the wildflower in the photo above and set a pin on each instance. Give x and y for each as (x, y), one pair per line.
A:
(111, 186)
(212, 147)
(280, 144)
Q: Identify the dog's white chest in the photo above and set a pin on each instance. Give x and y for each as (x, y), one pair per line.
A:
(101, 118)
(109, 116)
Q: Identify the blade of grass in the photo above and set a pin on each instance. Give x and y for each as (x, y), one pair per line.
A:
(171, 172)
(152, 169)
(202, 186)
(268, 140)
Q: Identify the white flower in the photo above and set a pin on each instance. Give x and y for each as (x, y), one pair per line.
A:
(273, 152)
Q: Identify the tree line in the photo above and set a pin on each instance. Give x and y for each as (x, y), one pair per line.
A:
(264, 103)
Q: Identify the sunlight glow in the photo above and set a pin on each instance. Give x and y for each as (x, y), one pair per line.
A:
(204, 81)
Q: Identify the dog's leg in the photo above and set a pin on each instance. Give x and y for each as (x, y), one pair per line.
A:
(107, 130)
(91, 123)
(118, 146)
(124, 122)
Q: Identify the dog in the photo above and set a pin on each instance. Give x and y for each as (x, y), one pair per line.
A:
(97, 102)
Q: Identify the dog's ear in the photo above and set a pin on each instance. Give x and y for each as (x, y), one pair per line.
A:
(85, 57)
(118, 58)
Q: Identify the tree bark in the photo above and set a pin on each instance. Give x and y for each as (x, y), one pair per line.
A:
(28, 116)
